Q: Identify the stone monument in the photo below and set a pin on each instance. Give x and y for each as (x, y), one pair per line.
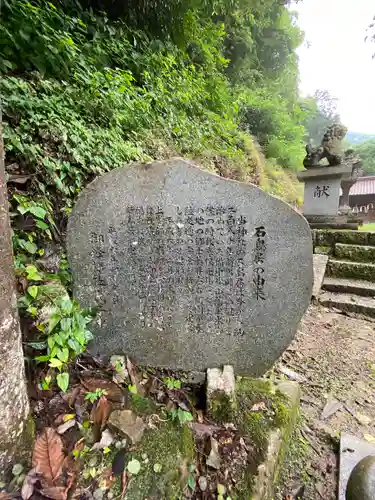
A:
(325, 183)
(189, 270)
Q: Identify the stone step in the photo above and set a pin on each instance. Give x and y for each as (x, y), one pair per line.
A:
(328, 238)
(358, 253)
(356, 287)
(326, 225)
(347, 269)
(349, 303)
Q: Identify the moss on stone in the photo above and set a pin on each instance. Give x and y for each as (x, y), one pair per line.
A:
(141, 405)
(257, 424)
(328, 237)
(187, 443)
(356, 270)
(351, 237)
(171, 446)
(323, 250)
(25, 443)
(356, 253)
(277, 414)
(371, 238)
(221, 407)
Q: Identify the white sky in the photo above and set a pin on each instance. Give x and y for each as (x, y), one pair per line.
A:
(336, 58)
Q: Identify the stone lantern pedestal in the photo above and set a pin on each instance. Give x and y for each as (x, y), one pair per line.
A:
(323, 186)
(324, 183)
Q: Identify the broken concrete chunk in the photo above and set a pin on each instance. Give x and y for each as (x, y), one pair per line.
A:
(221, 390)
(319, 265)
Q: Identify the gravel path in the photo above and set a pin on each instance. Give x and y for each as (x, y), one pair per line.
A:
(335, 353)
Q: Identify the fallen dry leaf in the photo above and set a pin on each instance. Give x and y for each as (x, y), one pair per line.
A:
(134, 377)
(55, 492)
(5, 496)
(64, 417)
(292, 374)
(203, 430)
(330, 408)
(28, 484)
(179, 397)
(72, 395)
(48, 456)
(101, 412)
(363, 419)
(129, 423)
(113, 391)
(369, 438)
(106, 478)
(214, 460)
(66, 426)
(121, 375)
(18, 178)
(80, 444)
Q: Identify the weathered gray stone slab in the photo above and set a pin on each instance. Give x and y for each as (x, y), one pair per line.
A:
(322, 196)
(325, 172)
(189, 270)
(352, 450)
(319, 264)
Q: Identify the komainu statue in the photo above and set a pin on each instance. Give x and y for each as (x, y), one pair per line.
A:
(330, 148)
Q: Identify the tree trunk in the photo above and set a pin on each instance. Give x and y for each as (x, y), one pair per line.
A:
(14, 405)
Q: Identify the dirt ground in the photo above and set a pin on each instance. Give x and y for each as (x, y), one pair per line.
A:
(335, 356)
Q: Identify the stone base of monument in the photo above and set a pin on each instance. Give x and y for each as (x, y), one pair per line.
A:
(320, 263)
(277, 444)
(236, 452)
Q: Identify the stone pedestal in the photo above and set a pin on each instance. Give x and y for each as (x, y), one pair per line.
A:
(323, 185)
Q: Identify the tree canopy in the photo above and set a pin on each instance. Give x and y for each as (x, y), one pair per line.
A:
(321, 112)
(366, 152)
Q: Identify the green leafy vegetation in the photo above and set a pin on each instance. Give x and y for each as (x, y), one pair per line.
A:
(366, 152)
(172, 383)
(95, 395)
(84, 92)
(181, 416)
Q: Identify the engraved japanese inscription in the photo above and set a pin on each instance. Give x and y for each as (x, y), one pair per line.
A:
(195, 251)
(188, 270)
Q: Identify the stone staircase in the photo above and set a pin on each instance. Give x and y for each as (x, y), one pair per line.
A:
(349, 282)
